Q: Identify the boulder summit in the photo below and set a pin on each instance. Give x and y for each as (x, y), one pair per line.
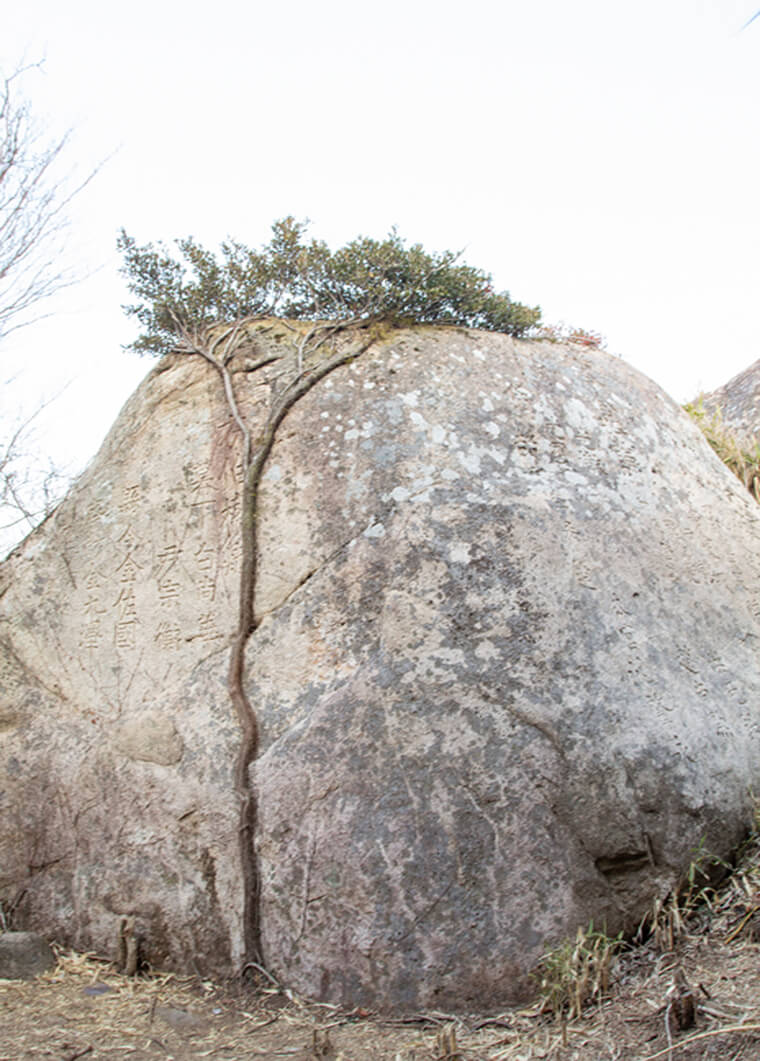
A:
(505, 670)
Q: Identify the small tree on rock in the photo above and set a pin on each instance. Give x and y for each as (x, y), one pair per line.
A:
(298, 279)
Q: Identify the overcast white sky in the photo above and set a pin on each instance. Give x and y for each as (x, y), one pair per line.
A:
(600, 159)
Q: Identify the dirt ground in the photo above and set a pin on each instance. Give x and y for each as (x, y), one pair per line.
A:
(85, 1009)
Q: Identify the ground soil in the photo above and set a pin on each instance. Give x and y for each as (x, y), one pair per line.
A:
(85, 1009)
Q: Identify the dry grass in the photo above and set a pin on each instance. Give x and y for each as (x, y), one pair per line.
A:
(577, 973)
(85, 1009)
(741, 456)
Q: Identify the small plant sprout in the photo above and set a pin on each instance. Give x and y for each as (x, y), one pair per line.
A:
(577, 972)
(669, 915)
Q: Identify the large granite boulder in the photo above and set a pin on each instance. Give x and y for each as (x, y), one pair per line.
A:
(506, 671)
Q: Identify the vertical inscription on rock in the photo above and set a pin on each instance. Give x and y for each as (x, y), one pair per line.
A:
(155, 572)
(205, 562)
(167, 582)
(92, 629)
(126, 574)
(168, 635)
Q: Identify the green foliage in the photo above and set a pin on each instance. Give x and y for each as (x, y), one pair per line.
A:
(577, 972)
(743, 459)
(189, 289)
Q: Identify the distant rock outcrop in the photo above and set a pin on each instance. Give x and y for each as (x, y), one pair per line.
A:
(506, 670)
(739, 403)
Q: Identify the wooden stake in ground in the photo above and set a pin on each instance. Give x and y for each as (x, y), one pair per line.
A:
(682, 1006)
(446, 1044)
(127, 947)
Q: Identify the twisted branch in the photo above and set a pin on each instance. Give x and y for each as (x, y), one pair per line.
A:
(254, 460)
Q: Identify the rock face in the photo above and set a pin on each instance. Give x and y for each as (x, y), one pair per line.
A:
(24, 955)
(506, 670)
(739, 402)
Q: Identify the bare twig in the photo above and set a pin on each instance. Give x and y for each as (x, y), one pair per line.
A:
(668, 1033)
(34, 204)
(28, 491)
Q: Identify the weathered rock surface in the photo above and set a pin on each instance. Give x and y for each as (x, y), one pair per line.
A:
(506, 673)
(116, 739)
(24, 955)
(739, 403)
